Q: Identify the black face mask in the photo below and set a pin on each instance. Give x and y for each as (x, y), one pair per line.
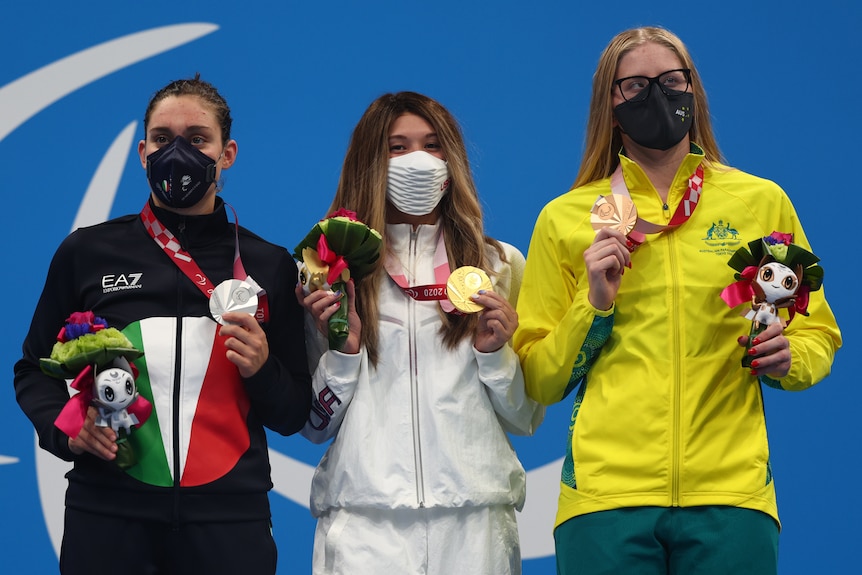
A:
(659, 121)
(180, 174)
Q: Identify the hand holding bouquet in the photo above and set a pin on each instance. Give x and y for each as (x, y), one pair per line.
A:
(773, 274)
(99, 358)
(337, 248)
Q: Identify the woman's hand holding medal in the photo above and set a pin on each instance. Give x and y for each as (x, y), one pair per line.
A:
(246, 343)
(606, 260)
(497, 321)
(470, 291)
(613, 217)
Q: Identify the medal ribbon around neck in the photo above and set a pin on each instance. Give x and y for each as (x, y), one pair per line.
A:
(166, 240)
(636, 233)
(430, 292)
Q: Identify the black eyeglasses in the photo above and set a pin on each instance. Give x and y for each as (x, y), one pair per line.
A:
(637, 88)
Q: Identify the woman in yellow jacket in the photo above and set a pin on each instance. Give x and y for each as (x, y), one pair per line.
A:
(667, 468)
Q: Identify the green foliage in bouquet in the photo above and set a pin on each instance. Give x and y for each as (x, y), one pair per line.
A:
(86, 340)
(337, 248)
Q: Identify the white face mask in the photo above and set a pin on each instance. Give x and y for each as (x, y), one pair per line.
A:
(417, 182)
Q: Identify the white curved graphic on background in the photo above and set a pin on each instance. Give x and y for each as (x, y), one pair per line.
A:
(291, 478)
(97, 202)
(536, 521)
(27, 96)
(51, 475)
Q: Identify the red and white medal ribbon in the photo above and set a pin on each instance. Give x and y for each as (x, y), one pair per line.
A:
(430, 292)
(183, 259)
(683, 211)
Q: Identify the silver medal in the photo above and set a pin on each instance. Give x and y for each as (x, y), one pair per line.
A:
(232, 295)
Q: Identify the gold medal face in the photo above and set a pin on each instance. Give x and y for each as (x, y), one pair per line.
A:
(463, 283)
(616, 211)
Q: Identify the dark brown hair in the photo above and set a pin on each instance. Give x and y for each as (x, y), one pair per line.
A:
(203, 90)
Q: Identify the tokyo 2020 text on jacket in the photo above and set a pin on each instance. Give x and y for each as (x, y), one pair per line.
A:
(664, 414)
(203, 451)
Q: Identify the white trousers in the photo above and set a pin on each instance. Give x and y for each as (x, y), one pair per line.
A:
(435, 541)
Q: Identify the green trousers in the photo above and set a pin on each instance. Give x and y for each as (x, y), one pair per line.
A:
(707, 540)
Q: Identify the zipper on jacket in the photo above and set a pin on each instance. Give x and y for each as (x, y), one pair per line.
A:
(175, 399)
(176, 421)
(414, 375)
(181, 229)
(676, 353)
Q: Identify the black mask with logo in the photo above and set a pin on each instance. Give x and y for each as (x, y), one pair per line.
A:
(180, 174)
(659, 121)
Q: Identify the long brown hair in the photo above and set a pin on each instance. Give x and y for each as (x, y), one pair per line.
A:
(603, 140)
(362, 188)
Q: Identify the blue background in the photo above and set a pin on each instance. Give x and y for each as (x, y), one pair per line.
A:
(782, 79)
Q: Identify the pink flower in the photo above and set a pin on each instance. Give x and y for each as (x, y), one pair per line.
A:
(781, 238)
(342, 213)
(86, 317)
(80, 323)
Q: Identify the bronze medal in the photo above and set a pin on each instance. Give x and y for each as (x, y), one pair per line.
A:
(463, 283)
(616, 211)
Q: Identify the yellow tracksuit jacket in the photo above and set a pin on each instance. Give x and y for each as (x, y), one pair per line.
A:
(664, 414)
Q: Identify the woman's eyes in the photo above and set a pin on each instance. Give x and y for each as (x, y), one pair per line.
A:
(162, 139)
(403, 148)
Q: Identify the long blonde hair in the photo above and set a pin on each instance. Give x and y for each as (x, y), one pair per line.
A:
(362, 188)
(603, 140)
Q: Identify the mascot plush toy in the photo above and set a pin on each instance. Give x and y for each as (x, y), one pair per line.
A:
(775, 274)
(99, 359)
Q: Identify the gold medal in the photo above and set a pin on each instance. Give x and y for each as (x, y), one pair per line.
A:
(616, 211)
(463, 283)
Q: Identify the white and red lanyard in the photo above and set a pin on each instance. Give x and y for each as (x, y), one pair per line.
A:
(183, 260)
(430, 292)
(683, 211)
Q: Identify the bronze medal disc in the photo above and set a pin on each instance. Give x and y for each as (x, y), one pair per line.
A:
(616, 211)
(463, 283)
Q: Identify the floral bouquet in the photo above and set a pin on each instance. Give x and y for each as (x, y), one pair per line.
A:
(86, 340)
(99, 359)
(337, 248)
(772, 274)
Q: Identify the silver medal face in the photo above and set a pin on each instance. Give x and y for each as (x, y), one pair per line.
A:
(232, 295)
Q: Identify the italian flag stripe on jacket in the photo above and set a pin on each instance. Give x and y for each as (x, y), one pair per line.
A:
(212, 422)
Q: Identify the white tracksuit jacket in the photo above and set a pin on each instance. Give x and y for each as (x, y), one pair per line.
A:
(427, 427)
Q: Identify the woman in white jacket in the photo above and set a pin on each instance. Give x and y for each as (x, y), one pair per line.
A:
(420, 476)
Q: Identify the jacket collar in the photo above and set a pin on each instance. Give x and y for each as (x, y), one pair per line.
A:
(194, 230)
(639, 184)
(398, 236)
